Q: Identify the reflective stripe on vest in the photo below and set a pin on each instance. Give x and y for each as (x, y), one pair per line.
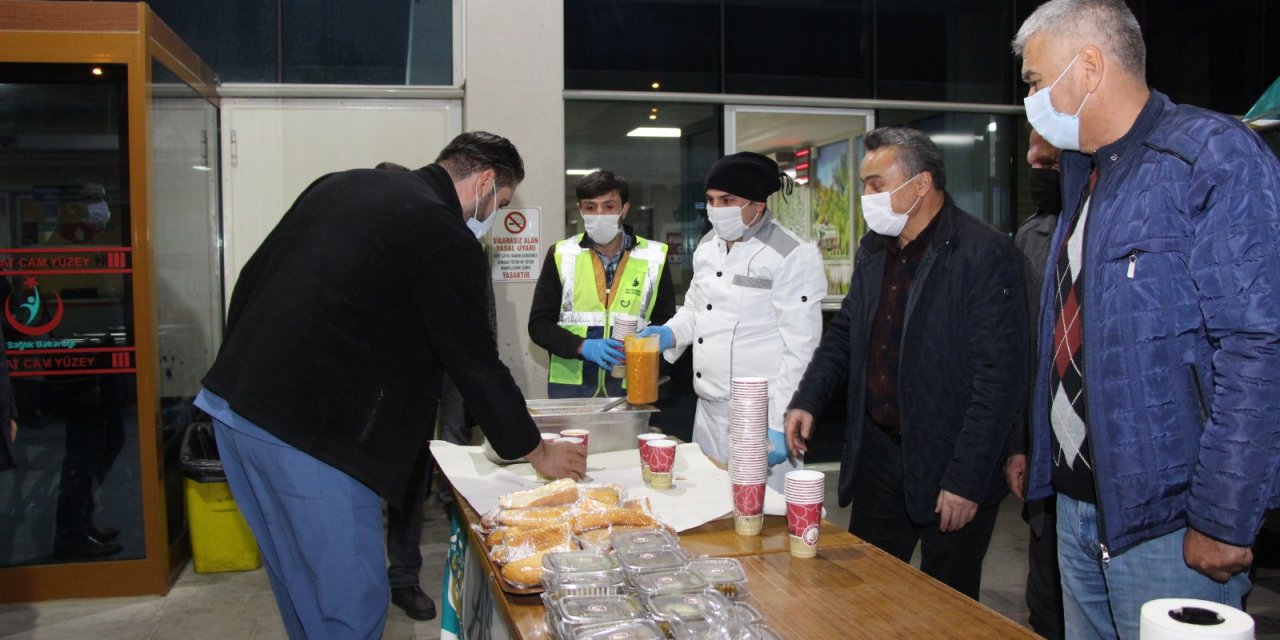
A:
(580, 305)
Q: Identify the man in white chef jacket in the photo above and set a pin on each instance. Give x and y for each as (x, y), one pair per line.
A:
(752, 309)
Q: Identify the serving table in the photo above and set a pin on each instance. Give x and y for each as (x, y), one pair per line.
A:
(850, 590)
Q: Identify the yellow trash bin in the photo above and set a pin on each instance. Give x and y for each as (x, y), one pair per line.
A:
(220, 538)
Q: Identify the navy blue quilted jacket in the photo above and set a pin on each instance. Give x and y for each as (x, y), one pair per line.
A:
(1181, 328)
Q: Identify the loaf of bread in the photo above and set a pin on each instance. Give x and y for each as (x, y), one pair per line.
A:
(587, 520)
(609, 494)
(541, 538)
(533, 516)
(552, 494)
(527, 572)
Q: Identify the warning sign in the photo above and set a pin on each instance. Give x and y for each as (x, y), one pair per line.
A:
(516, 244)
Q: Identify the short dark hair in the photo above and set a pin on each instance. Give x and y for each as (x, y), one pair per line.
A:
(916, 151)
(602, 183)
(479, 150)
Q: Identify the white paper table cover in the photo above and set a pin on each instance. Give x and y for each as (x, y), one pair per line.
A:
(700, 493)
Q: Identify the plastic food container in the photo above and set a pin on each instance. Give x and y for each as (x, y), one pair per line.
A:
(563, 563)
(723, 574)
(573, 612)
(712, 630)
(746, 613)
(645, 560)
(679, 580)
(602, 583)
(626, 630)
(671, 607)
(642, 540)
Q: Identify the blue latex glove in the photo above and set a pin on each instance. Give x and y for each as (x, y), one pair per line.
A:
(777, 447)
(604, 352)
(666, 339)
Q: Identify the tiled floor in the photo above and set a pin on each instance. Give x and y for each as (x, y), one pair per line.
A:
(240, 605)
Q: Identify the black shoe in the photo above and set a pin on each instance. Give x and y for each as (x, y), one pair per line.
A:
(104, 535)
(415, 603)
(87, 547)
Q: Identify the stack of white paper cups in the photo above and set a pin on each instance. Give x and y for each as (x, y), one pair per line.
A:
(748, 451)
(623, 326)
(803, 489)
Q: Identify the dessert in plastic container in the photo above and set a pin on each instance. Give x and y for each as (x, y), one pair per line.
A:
(678, 580)
(624, 630)
(645, 560)
(599, 583)
(563, 563)
(648, 539)
(576, 611)
(703, 605)
(723, 574)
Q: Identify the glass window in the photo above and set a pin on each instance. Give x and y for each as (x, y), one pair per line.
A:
(318, 41)
(665, 173)
(800, 49)
(1208, 54)
(626, 45)
(188, 274)
(977, 154)
(944, 50)
(236, 38)
(66, 275)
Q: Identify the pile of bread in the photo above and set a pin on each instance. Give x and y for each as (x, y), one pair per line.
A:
(559, 516)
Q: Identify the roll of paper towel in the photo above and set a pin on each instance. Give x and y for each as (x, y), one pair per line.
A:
(1188, 619)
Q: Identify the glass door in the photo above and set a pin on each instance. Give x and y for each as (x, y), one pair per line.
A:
(820, 149)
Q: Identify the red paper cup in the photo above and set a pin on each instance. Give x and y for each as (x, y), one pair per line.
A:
(642, 444)
(662, 461)
(748, 499)
(803, 522)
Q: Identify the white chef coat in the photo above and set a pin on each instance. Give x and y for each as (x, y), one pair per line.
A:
(753, 311)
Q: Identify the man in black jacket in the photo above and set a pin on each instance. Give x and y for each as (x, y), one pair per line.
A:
(324, 391)
(930, 344)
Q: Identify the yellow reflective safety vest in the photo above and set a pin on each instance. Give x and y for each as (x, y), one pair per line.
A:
(587, 310)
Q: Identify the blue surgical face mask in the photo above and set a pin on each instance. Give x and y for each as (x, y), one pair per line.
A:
(481, 227)
(1060, 129)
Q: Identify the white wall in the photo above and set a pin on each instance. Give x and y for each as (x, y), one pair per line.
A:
(514, 78)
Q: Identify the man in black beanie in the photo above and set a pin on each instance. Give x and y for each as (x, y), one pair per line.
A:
(753, 308)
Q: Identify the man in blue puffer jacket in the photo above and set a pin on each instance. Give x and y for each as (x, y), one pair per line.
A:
(1154, 412)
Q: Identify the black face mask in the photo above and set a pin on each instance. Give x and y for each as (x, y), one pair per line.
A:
(1046, 190)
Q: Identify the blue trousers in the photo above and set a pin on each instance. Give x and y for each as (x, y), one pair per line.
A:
(320, 531)
(1105, 600)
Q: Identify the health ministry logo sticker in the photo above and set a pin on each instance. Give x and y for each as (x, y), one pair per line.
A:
(31, 309)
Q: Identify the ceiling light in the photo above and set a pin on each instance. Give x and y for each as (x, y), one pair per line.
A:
(991, 127)
(654, 132)
(653, 116)
(97, 71)
(580, 172)
(953, 138)
(655, 85)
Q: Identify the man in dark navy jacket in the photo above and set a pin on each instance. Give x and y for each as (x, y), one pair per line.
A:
(324, 391)
(930, 345)
(1154, 409)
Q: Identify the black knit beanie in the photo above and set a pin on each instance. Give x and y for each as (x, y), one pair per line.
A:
(746, 175)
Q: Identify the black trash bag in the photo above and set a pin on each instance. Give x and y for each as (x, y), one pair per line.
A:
(199, 455)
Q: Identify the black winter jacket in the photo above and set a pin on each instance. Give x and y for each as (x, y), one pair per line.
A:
(342, 322)
(962, 374)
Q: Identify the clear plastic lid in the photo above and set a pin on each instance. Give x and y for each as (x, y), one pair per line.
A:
(599, 583)
(623, 630)
(567, 562)
(642, 560)
(669, 607)
(679, 580)
(766, 632)
(745, 613)
(718, 571)
(647, 539)
(717, 629)
(576, 610)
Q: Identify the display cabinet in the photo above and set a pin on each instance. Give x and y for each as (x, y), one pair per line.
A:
(111, 281)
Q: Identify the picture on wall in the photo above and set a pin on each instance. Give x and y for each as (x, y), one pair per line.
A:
(832, 212)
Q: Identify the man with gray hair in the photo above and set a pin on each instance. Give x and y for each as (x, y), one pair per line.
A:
(1153, 413)
(930, 346)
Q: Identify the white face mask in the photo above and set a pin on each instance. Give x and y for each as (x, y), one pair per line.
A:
(602, 228)
(877, 210)
(727, 221)
(99, 214)
(481, 227)
(1060, 129)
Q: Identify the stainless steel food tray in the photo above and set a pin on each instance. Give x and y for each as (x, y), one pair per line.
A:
(613, 430)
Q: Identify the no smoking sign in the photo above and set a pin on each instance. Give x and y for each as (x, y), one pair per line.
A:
(517, 245)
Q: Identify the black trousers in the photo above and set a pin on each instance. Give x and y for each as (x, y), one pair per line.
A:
(1044, 581)
(404, 526)
(880, 517)
(94, 437)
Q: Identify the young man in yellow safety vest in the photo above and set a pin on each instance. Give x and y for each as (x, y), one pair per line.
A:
(592, 279)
